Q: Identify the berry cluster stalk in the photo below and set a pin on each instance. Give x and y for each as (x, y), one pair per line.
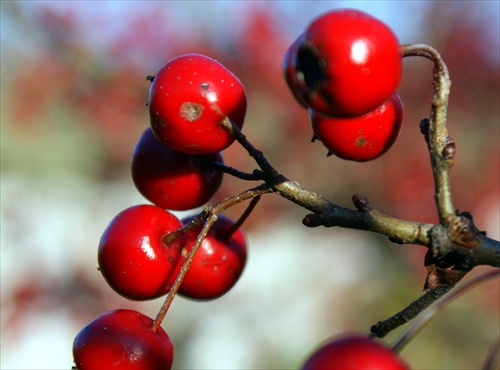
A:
(455, 245)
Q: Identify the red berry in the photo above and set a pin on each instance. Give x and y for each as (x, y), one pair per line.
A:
(132, 257)
(188, 99)
(347, 63)
(173, 180)
(122, 339)
(361, 138)
(354, 353)
(218, 263)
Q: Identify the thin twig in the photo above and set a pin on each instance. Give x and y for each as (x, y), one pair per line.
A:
(210, 214)
(256, 154)
(255, 175)
(382, 328)
(463, 247)
(437, 306)
(441, 146)
(184, 269)
(244, 216)
(327, 213)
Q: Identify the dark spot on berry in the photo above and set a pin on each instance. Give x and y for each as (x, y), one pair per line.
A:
(310, 67)
(361, 141)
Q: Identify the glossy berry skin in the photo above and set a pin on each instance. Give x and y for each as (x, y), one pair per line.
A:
(122, 339)
(217, 264)
(131, 256)
(188, 99)
(354, 352)
(361, 138)
(173, 180)
(347, 63)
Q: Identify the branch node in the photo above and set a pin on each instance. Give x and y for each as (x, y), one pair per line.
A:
(424, 128)
(313, 220)
(449, 151)
(362, 203)
(438, 276)
(464, 232)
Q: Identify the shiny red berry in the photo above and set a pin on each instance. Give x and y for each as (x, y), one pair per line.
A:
(122, 339)
(354, 352)
(361, 138)
(188, 99)
(347, 63)
(173, 180)
(131, 256)
(218, 263)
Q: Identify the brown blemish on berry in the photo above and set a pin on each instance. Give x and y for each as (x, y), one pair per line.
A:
(361, 141)
(191, 111)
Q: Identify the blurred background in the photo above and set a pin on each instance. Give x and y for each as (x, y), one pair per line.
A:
(73, 104)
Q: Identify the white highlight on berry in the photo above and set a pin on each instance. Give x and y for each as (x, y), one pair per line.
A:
(359, 52)
(146, 247)
(211, 96)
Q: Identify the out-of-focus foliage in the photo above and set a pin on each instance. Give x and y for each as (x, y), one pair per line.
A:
(79, 86)
(74, 94)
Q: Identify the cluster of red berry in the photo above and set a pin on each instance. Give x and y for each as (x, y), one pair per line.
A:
(188, 99)
(345, 69)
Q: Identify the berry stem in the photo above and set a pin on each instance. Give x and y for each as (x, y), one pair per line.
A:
(170, 237)
(257, 155)
(448, 245)
(210, 214)
(242, 218)
(255, 175)
(327, 213)
(184, 269)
